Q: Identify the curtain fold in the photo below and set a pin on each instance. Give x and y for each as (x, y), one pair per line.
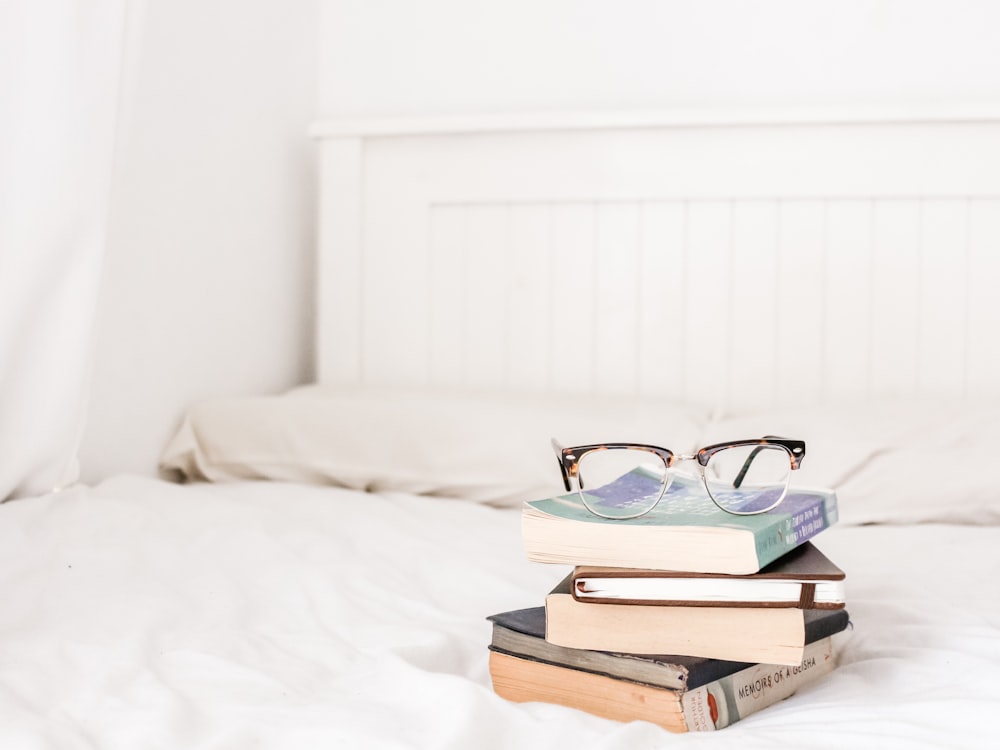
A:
(60, 73)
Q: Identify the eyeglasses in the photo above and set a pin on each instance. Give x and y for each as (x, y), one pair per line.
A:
(627, 480)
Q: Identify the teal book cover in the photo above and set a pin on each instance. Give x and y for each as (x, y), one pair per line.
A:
(802, 514)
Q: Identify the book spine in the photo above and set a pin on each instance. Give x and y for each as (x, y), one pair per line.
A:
(803, 523)
(734, 697)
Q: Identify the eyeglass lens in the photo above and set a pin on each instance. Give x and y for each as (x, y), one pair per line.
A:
(622, 483)
(748, 478)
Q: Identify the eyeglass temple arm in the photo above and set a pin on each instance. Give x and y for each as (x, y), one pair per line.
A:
(558, 448)
(746, 464)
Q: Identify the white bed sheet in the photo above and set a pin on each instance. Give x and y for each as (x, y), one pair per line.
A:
(142, 614)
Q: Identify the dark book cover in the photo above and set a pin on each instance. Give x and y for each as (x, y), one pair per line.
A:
(806, 565)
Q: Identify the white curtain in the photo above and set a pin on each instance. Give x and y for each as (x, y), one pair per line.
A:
(60, 74)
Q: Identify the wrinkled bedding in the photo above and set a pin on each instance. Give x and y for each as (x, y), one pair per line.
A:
(145, 614)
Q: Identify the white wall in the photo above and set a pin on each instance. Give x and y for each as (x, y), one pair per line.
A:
(207, 285)
(386, 57)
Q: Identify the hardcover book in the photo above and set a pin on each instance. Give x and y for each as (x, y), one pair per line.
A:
(686, 531)
(803, 578)
(680, 693)
(775, 635)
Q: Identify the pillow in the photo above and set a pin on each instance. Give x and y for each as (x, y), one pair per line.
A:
(481, 446)
(901, 461)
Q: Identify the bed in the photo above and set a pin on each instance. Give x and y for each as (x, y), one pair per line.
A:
(315, 568)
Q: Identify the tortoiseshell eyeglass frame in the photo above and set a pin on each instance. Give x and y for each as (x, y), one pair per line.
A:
(569, 462)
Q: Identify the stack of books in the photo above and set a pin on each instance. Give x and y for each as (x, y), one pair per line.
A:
(689, 617)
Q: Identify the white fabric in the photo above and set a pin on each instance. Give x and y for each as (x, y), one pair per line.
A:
(904, 461)
(270, 615)
(483, 446)
(59, 72)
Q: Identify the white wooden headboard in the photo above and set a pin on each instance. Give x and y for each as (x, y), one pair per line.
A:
(724, 263)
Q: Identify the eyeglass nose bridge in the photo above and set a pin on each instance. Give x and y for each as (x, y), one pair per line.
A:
(677, 457)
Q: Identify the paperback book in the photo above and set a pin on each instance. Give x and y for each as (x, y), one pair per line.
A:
(680, 693)
(686, 531)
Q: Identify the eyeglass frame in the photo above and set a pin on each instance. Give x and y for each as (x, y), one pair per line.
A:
(569, 464)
